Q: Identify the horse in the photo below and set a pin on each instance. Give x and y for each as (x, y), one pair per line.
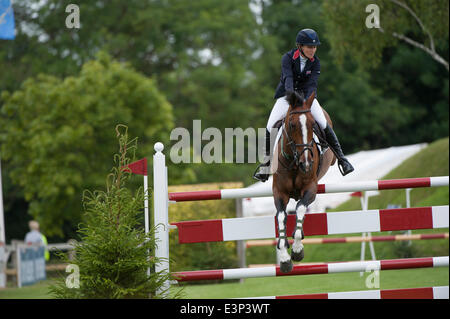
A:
(297, 172)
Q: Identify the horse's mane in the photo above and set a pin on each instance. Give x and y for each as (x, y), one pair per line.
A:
(295, 98)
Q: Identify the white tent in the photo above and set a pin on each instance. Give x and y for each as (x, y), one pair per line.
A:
(369, 165)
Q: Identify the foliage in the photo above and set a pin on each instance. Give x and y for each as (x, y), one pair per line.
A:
(54, 133)
(424, 22)
(113, 254)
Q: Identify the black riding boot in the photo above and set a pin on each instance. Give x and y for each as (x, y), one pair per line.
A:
(344, 165)
(263, 170)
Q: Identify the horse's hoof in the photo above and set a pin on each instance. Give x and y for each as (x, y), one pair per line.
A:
(286, 266)
(298, 256)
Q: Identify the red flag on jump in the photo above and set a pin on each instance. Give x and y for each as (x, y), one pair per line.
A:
(139, 167)
(356, 194)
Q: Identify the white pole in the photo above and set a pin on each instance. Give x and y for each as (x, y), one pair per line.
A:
(146, 217)
(2, 220)
(408, 205)
(365, 207)
(161, 199)
(363, 200)
(2, 236)
(147, 226)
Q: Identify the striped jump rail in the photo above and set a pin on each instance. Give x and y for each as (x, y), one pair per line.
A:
(322, 188)
(352, 239)
(376, 220)
(440, 292)
(312, 269)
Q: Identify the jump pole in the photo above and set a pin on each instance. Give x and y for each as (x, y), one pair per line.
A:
(161, 199)
(439, 292)
(313, 269)
(322, 189)
(351, 239)
(334, 223)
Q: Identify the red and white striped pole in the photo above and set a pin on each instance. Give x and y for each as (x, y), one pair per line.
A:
(440, 292)
(322, 188)
(352, 239)
(312, 269)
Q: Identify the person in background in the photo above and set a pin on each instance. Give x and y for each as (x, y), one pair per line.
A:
(34, 236)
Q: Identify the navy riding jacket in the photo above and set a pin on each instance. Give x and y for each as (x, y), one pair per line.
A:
(292, 79)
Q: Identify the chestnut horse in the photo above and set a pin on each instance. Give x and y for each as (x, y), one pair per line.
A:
(297, 172)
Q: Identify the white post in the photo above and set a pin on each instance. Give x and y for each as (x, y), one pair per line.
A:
(365, 207)
(147, 225)
(2, 220)
(408, 205)
(160, 204)
(2, 237)
(146, 216)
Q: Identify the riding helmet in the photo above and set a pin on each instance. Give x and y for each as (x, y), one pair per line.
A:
(307, 37)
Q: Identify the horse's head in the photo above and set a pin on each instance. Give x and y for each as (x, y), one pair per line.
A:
(299, 130)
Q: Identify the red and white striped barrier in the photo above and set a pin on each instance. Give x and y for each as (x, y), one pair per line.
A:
(322, 188)
(312, 269)
(376, 220)
(441, 292)
(352, 239)
(315, 224)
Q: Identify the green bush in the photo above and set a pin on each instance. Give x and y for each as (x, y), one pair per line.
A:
(113, 255)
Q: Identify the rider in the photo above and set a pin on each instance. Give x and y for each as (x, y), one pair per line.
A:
(300, 70)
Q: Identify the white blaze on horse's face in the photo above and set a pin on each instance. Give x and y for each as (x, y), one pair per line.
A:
(303, 120)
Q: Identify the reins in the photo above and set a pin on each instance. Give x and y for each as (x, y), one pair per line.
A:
(291, 143)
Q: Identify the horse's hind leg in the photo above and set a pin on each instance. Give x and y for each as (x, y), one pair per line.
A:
(283, 244)
(297, 253)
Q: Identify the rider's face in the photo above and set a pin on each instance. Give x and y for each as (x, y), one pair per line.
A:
(309, 50)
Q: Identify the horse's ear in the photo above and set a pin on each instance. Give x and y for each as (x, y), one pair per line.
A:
(310, 99)
(291, 98)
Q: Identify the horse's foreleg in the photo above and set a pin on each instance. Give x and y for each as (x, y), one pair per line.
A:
(297, 246)
(300, 210)
(283, 244)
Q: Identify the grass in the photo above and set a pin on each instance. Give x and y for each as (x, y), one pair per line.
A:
(36, 291)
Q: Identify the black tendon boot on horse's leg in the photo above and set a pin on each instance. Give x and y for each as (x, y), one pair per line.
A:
(297, 253)
(283, 243)
(344, 165)
(263, 170)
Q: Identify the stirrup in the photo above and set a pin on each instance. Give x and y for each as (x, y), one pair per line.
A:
(262, 177)
(341, 168)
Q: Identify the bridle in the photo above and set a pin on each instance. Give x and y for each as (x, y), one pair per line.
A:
(295, 158)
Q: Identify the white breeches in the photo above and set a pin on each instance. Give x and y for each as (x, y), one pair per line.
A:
(282, 106)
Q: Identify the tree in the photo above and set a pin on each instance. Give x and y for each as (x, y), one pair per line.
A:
(200, 53)
(55, 133)
(112, 259)
(421, 24)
